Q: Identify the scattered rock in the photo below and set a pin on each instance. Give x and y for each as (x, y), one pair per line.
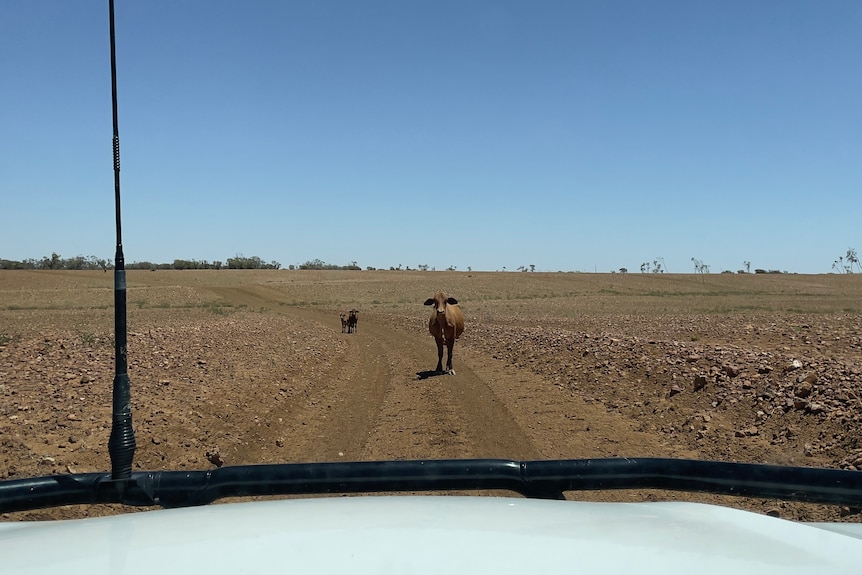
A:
(731, 370)
(804, 389)
(847, 511)
(214, 457)
(815, 407)
(794, 365)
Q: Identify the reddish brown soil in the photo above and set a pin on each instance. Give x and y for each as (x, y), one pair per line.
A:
(256, 369)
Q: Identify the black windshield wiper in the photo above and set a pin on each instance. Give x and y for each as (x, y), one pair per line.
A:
(535, 479)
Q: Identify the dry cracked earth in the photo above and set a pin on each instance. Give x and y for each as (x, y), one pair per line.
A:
(258, 371)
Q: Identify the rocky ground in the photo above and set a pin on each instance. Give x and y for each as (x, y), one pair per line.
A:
(790, 392)
(242, 375)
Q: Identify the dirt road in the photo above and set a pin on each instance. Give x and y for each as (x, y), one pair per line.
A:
(383, 401)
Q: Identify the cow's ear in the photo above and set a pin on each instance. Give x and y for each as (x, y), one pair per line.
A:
(452, 300)
(429, 301)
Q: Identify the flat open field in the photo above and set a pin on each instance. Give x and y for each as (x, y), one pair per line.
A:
(252, 367)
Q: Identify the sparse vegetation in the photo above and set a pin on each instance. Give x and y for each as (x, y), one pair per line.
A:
(845, 264)
(700, 267)
(6, 339)
(89, 338)
(216, 308)
(657, 264)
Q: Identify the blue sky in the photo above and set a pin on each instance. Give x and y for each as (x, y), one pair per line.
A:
(570, 135)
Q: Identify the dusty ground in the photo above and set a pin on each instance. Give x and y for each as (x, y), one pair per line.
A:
(253, 366)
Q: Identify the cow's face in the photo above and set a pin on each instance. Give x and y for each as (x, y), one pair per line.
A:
(439, 301)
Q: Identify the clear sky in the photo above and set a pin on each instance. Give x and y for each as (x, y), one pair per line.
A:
(576, 135)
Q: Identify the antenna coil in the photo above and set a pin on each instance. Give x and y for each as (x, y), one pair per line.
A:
(116, 152)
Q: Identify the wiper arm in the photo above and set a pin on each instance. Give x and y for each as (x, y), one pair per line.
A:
(536, 479)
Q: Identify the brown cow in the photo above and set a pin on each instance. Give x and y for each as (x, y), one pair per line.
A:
(446, 325)
(343, 323)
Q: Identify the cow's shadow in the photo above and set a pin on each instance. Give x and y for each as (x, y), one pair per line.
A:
(429, 373)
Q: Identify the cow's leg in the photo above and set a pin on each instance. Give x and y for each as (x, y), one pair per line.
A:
(449, 345)
(439, 354)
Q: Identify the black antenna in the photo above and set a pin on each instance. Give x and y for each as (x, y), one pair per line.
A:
(121, 445)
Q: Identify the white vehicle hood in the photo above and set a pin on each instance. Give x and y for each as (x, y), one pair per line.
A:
(431, 534)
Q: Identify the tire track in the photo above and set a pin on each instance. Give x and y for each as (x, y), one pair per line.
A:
(429, 417)
(334, 422)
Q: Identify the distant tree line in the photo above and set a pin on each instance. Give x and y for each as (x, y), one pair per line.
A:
(177, 265)
(317, 264)
(57, 262)
(848, 263)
